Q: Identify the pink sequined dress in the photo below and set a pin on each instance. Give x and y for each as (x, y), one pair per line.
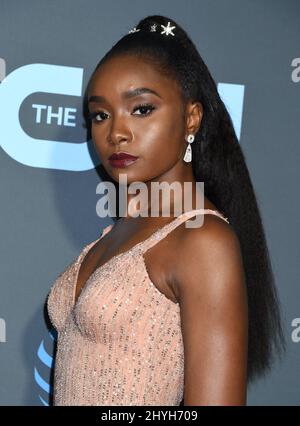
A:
(121, 342)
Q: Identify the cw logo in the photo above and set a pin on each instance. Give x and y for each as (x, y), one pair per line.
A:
(21, 146)
(62, 80)
(44, 366)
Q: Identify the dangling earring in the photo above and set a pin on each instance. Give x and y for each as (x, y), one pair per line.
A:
(188, 153)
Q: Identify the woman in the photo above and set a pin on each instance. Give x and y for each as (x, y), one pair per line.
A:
(153, 312)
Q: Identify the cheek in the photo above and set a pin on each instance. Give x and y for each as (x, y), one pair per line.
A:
(164, 125)
(161, 140)
(98, 139)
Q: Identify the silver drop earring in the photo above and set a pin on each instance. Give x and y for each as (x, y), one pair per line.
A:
(188, 153)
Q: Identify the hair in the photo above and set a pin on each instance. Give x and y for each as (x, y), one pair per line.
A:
(219, 162)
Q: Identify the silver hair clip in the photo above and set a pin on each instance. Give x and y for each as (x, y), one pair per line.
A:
(134, 30)
(167, 29)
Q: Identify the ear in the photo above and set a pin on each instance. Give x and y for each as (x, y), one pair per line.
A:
(194, 114)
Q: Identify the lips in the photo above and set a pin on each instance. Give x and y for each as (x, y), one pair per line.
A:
(122, 159)
(122, 156)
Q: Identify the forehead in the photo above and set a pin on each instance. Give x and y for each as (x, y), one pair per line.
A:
(127, 72)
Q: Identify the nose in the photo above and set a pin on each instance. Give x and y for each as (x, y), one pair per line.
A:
(119, 132)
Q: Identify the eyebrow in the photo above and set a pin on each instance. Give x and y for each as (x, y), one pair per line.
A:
(126, 95)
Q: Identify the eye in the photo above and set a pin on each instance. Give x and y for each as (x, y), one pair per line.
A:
(144, 107)
(92, 116)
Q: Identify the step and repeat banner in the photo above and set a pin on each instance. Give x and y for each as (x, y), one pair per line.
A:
(48, 50)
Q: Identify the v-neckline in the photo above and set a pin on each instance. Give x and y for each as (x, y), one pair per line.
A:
(84, 253)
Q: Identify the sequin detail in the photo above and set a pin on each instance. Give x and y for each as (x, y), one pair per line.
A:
(121, 342)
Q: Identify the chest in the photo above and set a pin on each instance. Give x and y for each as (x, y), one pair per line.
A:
(158, 261)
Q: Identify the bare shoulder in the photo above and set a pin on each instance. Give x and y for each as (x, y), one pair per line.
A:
(210, 249)
(212, 295)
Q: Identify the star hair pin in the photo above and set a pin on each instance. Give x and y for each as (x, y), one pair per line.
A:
(167, 29)
(153, 28)
(134, 30)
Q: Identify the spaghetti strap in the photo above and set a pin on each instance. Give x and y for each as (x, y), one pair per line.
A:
(106, 229)
(165, 230)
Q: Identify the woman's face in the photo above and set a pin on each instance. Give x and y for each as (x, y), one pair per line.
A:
(147, 125)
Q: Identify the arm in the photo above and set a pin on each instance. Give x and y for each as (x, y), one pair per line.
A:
(214, 317)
